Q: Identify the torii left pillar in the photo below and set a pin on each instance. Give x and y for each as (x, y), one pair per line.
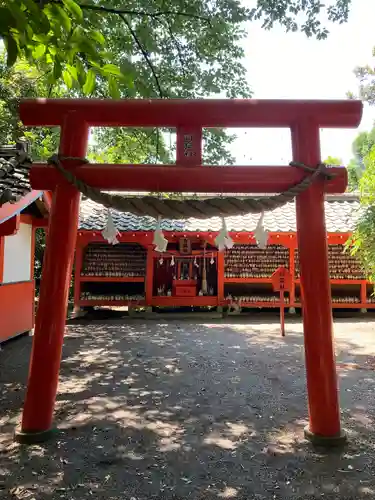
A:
(57, 269)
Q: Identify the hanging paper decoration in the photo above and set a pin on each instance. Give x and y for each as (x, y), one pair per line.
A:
(223, 240)
(159, 241)
(161, 260)
(260, 234)
(110, 231)
(195, 262)
(172, 261)
(212, 261)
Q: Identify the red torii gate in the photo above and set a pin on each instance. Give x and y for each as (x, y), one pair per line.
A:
(304, 118)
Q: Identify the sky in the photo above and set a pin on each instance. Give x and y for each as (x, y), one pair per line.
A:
(290, 66)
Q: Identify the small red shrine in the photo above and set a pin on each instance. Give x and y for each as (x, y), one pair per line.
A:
(133, 274)
(22, 209)
(188, 117)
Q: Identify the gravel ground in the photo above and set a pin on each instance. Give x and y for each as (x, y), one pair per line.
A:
(177, 410)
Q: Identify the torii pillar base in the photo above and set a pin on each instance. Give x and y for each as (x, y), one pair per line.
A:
(326, 441)
(34, 437)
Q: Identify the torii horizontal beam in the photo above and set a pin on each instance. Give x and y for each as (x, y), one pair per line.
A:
(210, 113)
(172, 178)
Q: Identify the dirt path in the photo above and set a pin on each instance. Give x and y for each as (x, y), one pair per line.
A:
(176, 410)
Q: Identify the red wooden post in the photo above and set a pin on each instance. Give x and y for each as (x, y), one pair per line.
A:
(77, 273)
(149, 278)
(50, 321)
(292, 270)
(282, 282)
(282, 312)
(220, 277)
(324, 416)
(363, 294)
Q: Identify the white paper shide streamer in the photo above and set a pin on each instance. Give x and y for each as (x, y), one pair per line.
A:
(223, 240)
(110, 231)
(159, 241)
(261, 234)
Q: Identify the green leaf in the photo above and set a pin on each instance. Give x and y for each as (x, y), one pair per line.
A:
(72, 70)
(41, 38)
(39, 51)
(44, 22)
(32, 8)
(7, 21)
(12, 50)
(18, 14)
(114, 91)
(64, 18)
(57, 70)
(81, 72)
(111, 69)
(74, 9)
(67, 77)
(89, 85)
(97, 36)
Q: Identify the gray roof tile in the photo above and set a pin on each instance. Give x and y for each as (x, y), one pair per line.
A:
(342, 212)
(15, 167)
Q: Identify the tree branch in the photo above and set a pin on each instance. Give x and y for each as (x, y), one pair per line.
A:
(178, 47)
(111, 10)
(144, 53)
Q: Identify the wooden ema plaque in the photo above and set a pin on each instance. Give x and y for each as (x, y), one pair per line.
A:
(282, 282)
(185, 246)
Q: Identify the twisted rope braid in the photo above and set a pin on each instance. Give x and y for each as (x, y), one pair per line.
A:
(183, 209)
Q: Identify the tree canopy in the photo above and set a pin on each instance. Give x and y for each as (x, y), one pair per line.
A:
(362, 169)
(151, 47)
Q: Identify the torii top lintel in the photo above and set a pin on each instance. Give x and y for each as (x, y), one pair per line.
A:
(193, 113)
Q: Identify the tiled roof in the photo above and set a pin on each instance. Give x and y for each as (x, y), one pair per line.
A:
(342, 212)
(14, 173)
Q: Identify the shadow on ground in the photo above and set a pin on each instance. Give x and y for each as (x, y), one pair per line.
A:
(175, 410)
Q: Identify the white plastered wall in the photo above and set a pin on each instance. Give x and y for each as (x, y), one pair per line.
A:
(17, 255)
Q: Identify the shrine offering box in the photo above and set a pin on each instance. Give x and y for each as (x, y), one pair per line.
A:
(184, 288)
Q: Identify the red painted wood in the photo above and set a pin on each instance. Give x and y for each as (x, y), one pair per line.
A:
(57, 267)
(149, 283)
(2, 241)
(363, 292)
(324, 414)
(26, 219)
(47, 198)
(10, 226)
(220, 276)
(77, 272)
(282, 313)
(196, 113)
(16, 309)
(40, 223)
(281, 279)
(171, 178)
(185, 291)
(112, 279)
(189, 146)
(8, 210)
(292, 292)
(204, 301)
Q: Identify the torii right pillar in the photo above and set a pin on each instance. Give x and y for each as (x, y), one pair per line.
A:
(324, 413)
